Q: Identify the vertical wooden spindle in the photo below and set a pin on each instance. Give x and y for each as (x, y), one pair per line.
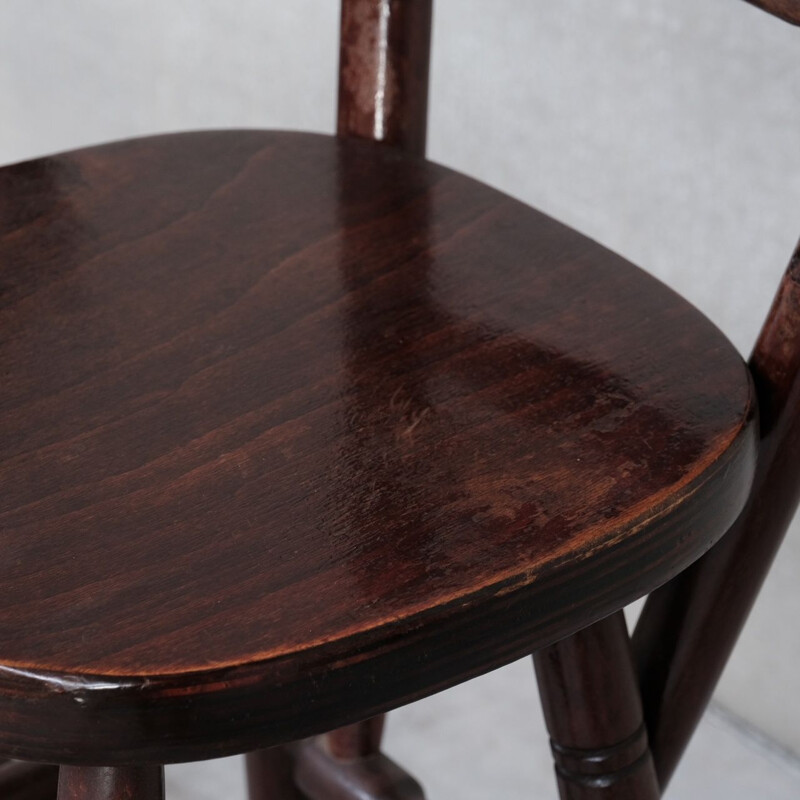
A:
(594, 715)
(383, 71)
(384, 65)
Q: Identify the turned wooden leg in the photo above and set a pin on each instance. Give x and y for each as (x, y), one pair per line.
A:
(593, 711)
(270, 775)
(347, 764)
(323, 776)
(358, 740)
(111, 783)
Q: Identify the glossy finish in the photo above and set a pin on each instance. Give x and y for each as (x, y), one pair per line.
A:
(107, 783)
(593, 712)
(296, 429)
(689, 627)
(384, 62)
(788, 10)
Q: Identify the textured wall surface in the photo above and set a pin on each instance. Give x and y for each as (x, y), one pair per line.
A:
(669, 130)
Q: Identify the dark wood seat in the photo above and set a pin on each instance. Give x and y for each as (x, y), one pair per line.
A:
(294, 429)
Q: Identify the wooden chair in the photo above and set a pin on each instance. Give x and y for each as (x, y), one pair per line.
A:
(295, 429)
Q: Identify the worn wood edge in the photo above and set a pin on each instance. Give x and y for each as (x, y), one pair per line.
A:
(500, 583)
(218, 712)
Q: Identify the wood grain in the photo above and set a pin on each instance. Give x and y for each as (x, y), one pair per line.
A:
(294, 430)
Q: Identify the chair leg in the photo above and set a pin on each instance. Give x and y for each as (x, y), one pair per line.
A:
(323, 776)
(111, 783)
(358, 740)
(21, 780)
(270, 775)
(593, 712)
(346, 763)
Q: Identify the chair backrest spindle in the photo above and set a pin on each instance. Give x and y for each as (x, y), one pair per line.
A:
(383, 71)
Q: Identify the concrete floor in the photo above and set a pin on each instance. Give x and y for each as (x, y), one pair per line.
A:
(485, 739)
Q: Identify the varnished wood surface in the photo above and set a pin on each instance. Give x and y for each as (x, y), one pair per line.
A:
(788, 10)
(384, 61)
(293, 430)
(689, 627)
(593, 710)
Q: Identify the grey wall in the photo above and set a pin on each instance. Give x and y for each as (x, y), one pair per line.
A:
(667, 129)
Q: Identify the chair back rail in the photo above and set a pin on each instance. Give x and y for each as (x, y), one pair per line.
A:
(384, 58)
(785, 9)
(689, 627)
